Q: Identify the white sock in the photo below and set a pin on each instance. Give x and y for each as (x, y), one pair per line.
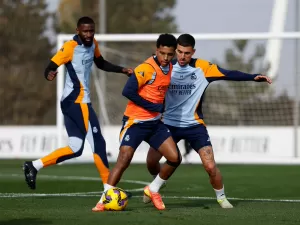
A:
(220, 194)
(106, 187)
(38, 164)
(156, 184)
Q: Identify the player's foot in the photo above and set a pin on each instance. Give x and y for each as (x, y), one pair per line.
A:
(147, 199)
(155, 198)
(30, 174)
(225, 204)
(98, 208)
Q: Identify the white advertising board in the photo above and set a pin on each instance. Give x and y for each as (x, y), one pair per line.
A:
(231, 144)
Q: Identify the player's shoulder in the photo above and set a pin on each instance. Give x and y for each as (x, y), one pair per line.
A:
(145, 67)
(71, 44)
(200, 63)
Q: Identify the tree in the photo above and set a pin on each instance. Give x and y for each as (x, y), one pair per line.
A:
(131, 16)
(26, 97)
(246, 103)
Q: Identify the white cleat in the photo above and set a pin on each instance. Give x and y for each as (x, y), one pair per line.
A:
(146, 199)
(225, 204)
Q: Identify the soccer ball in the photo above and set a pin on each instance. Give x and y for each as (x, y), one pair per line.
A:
(115, 199)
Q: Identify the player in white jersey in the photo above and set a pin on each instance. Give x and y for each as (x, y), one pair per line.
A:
(183, 109)
(78, 55)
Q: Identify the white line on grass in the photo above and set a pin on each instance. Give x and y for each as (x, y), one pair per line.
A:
(96, 194)
(54, 177)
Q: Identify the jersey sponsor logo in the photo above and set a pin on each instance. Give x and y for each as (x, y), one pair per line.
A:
(181, 89)
(163, 89)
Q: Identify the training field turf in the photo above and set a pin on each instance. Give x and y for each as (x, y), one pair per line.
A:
(65, 195)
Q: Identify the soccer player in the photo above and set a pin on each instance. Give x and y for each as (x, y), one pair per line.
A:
(183, 109)
(80, 119)
(146, 89)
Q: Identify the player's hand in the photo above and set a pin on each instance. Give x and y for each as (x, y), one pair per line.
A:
(263, 78)
(51, 75)
(127, 71)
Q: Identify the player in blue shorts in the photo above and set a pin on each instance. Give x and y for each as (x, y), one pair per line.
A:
(78, 55)
(183, 109)
(146, 89)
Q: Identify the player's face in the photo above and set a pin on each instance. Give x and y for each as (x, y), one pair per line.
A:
(86, 33)
(184, 54)
(165, 54)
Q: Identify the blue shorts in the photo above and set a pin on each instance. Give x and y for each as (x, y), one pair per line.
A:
(152, 132)
(197, 136)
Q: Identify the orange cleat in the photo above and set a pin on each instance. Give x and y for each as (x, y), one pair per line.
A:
(155, 198)
(98, 208)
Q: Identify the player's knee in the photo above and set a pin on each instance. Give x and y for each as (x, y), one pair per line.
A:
(175, 160)
(211, 168)
(76, 145)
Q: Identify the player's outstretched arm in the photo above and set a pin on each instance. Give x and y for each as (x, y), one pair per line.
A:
(213, 72)
(102, 64)
(263, 78)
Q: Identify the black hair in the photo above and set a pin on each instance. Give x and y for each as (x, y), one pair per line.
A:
(186, 40)
(168, 40)
(85, 20)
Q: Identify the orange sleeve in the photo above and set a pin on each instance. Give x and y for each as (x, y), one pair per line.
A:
(65, 54)
(97, 52)
(144, 73)
(209, 69)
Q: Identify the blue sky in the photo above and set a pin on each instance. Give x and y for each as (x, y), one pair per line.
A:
(216, 16)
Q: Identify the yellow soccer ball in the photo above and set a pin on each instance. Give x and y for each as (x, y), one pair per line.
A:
(115, 199)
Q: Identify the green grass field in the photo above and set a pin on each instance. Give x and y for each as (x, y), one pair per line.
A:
(65, 195)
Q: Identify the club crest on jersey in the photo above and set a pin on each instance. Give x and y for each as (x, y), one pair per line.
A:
(193, 76)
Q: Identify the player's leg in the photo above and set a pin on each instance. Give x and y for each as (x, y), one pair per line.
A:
(98, 145)
(131, 136)
(200, 141)
(153, 158)
(76, 126)
(164, 143)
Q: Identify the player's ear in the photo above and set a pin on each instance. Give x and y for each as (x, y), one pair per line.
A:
(194, 50)
(77, 31)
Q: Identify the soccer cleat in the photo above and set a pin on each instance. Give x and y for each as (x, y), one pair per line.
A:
(30, 174)
(155, 198)
(98, 208)
(225, 204)
(147, 199)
